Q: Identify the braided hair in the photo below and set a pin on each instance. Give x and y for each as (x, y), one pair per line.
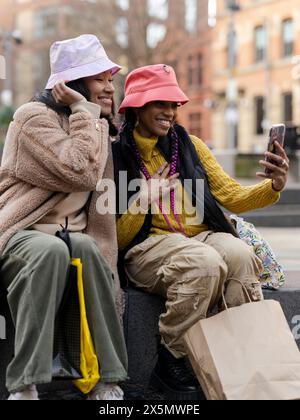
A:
(215, 219)
(127, 129)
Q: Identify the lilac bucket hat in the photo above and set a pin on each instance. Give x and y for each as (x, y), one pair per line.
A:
(76, 58)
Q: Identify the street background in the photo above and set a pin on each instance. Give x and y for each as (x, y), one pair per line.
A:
(286, 245)
(237, 60)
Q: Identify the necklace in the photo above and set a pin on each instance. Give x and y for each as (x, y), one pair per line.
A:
(174, 162)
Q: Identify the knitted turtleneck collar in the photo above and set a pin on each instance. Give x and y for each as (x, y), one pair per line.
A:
(147, 146)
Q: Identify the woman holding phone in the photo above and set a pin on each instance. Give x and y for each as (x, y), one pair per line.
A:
(187, 263)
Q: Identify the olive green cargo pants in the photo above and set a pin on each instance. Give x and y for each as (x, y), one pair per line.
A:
(34, 271)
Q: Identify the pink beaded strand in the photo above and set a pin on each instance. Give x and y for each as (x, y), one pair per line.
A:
(174, 161)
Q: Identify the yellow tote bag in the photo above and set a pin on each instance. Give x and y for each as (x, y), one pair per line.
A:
(89, 365)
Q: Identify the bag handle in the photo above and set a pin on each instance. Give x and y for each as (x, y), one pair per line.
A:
(64, 235)
(244, 288)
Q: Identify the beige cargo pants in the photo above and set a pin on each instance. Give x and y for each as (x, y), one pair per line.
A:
(191, 273)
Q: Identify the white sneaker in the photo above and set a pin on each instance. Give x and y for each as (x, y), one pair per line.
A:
(106, 392)
(30, 394)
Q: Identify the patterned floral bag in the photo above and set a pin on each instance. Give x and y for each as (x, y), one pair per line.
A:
(273, 276)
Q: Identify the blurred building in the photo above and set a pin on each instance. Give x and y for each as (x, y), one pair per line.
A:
(5, 18)
(6, 25)
(187, 47)
(129, 30)
(41, 22)
(240, 68)
(256, 70)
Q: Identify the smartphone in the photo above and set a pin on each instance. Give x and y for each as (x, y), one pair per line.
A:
(277, 133)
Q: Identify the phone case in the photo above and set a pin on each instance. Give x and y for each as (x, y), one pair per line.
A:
(277, 133)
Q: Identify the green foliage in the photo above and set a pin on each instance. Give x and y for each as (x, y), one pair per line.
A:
(6, 116)
(1, 148)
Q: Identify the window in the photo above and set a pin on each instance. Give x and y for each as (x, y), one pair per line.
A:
(260, 43)
(191, 15)
(175, 65)
(190, 70)
(122, 32)
(259, 114)
(155, 34)
(195, 124)
(46, 22)
(288, 37)
(41, 69)
(288, 107)
(195, 70)
(123, 4)
(233, 5)
(2, 67)
(199, 69)
(158, 8)
(212, 13)
(232, 49)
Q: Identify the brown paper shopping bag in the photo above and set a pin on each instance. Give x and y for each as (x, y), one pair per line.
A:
(246, 353)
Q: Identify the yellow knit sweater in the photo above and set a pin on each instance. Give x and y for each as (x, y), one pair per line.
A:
(228, 192)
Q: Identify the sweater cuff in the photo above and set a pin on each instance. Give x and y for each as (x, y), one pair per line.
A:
(85, 106)
(271, 193)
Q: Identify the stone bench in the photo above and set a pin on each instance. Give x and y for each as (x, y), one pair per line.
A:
(141, 328)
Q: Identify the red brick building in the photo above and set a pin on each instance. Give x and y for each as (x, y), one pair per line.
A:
(41, 22)
(187, 47)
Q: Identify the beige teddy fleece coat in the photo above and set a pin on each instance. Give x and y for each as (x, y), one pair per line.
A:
(45, 158)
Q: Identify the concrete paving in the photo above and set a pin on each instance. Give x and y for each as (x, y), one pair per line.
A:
(286, 245)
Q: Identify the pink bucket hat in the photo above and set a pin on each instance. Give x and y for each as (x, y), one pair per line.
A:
(76, 58)
(152, 83)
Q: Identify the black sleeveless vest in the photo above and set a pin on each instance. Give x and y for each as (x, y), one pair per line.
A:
(189, 167)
